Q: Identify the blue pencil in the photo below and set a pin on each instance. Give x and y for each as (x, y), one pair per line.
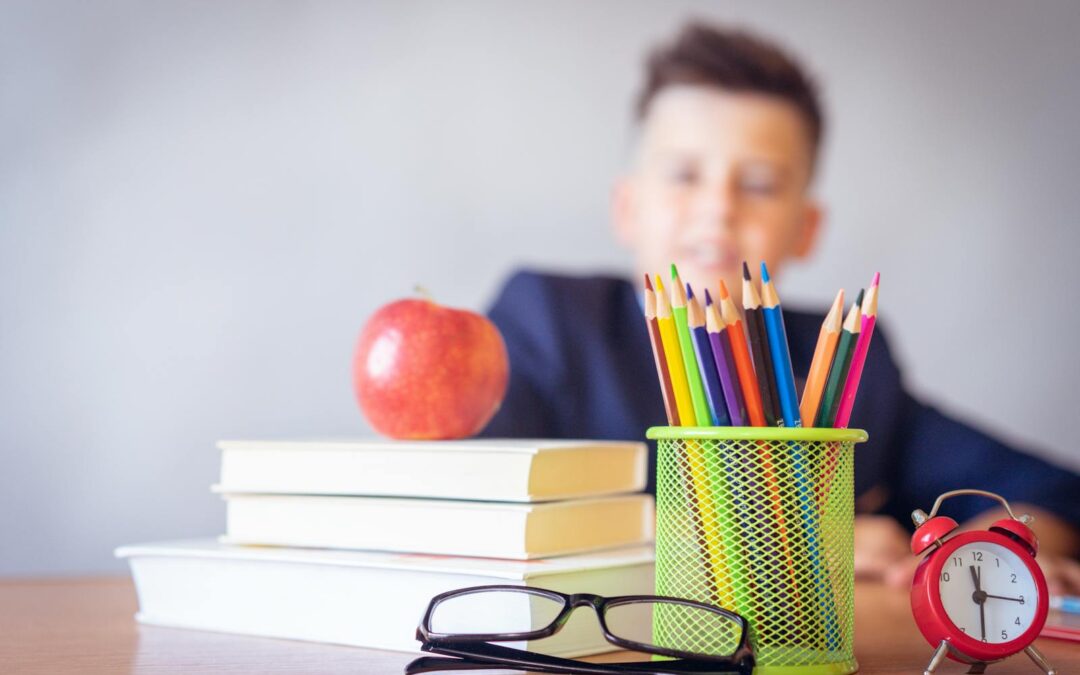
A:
(778, 347)
(714, 393)
(789, 407)
(1065, 603)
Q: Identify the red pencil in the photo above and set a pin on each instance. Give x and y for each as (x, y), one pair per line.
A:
(743, 363)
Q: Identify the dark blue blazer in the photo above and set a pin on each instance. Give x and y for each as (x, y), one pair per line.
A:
(581, 366)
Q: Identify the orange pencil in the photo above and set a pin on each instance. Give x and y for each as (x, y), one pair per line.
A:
(662, 372)
(743, 363)
(823, 358)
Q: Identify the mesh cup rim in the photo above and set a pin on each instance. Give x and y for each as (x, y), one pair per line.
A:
(757, 434)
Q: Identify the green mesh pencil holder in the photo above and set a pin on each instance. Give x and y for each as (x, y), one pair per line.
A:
(759, 520)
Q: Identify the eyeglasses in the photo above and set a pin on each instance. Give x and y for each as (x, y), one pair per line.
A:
(463, 623)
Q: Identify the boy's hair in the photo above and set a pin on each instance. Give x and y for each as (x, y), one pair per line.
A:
(736, 61)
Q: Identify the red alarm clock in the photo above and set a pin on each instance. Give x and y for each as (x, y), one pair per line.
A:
(978, 597)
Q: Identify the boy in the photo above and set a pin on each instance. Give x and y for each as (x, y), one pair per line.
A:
(730, 128)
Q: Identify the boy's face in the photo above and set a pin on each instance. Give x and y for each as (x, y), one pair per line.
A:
(719, 178)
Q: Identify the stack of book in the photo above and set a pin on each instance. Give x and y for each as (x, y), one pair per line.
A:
(347, 541)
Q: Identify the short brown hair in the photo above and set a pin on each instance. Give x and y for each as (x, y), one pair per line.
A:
(733, 60)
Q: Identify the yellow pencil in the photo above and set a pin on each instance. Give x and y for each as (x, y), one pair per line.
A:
(672, 352)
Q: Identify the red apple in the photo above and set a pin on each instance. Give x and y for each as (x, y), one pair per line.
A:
(424, 371)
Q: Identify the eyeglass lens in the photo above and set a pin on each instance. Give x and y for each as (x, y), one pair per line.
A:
(664, 625)
(649, 623)
(498, 611)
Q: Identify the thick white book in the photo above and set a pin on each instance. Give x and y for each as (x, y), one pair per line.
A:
(482, 469)
(446, 527)
(356, 598)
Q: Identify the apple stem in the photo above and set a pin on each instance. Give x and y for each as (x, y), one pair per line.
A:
(423, 293)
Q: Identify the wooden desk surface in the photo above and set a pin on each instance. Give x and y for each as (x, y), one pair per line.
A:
(85, 626)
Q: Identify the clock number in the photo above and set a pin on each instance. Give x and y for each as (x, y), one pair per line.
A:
(1017, 622)
(997, 562)
(958, 562)
(1021, 599)
(976, 556)
(945, 576)
(1004, 635)
(1013, 578)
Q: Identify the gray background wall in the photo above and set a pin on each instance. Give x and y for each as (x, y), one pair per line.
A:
(200, 203)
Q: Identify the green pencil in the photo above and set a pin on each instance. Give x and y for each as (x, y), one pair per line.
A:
(686, 343)
(834, 385)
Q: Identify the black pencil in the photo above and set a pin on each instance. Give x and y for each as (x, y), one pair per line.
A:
(759, 348)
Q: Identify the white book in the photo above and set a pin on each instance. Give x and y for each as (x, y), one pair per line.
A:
(447, 527)
(364, 599)
(483, 469)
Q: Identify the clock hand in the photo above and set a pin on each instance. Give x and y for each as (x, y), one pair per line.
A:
(1001, 597)
(979, 596)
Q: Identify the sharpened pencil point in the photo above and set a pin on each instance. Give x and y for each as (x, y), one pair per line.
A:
(659, 284)
(648, 284)
(708, 298)
(723, 290)
(745, 271)
(877, 278)
(674, 271)
(858, 300)
(764, 273)
(689, 292)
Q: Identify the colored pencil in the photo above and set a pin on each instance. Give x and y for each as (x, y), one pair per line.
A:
(858, 358)
(759, 349)
(686, 345)
(778, 347)
(694, 468)
(830, 398)
(710, 377)
(823, 357)
(662, 372)
(673, 354)
(725, 363)
(767, 531)
(789, 407)
(743, 363)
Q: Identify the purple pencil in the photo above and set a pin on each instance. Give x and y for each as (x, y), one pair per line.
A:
(725, 363)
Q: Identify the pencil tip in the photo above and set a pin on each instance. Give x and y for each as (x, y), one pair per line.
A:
(877, 278)
(764, 273)
(723, 290)
(708, 298)
(745, 271)
(648, 284)
(659, 284)
(858, 300)
(689, 292)
(674, 271)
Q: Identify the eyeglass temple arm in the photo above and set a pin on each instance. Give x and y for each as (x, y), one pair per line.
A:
(476, 655)
(428, 664)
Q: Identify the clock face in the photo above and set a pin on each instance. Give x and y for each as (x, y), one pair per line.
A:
(988, 592)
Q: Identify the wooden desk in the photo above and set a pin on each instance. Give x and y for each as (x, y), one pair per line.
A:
(85, 626)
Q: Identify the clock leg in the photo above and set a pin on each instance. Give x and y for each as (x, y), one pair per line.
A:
(939, 656)
(1039, 660)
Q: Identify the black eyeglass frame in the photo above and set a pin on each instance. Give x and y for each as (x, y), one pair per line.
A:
(477, 653)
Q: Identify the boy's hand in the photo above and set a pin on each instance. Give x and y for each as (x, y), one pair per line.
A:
(882, 554)
(880, 545)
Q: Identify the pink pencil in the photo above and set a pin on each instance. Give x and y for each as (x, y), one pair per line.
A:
(858, 358)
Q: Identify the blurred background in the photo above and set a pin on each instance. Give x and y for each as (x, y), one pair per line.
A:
(201, 202)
